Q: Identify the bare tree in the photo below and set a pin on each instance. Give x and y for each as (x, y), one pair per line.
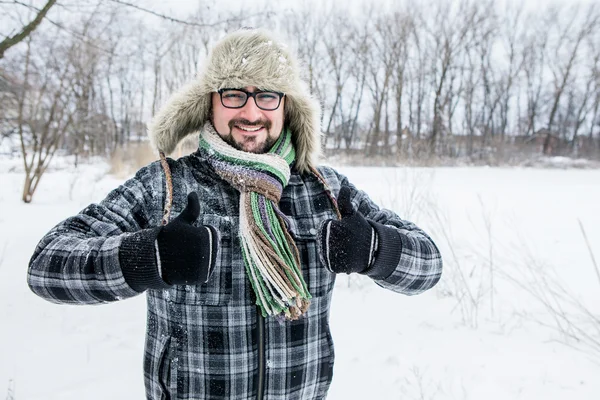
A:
(485, 34)
(336, 40)
(304, 28)
(595, 75)
(534, 66)
(85, 60)
(472, 79)
(511, 28)
(384, 48)
(567, 47)
(44, 111)
(403, 26)
(585, 96)
(358, 45)
(420, 72)
(9, 88)
(448, 31)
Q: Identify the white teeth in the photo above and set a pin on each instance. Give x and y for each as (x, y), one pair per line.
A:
(249, 129)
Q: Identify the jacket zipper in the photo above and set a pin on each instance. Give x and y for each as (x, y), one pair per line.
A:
(260, 333)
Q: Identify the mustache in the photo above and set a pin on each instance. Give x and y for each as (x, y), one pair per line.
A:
(241, 121)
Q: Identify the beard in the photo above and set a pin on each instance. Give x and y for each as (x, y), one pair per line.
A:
(258, 149)
(251, 142)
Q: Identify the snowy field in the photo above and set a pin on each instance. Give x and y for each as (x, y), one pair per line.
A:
(516, 315)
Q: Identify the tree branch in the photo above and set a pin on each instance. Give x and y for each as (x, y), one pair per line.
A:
(26, 31)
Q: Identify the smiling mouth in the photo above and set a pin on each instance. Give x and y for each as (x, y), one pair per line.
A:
(250, 129)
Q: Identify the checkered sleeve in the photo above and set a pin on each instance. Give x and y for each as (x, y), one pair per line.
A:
(105, 253)
(407, 260)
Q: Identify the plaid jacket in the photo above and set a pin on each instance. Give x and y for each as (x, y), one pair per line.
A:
(203, 342)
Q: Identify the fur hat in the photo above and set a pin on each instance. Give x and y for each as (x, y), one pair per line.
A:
(248, 57)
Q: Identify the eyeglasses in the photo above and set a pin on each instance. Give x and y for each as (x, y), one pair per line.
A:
(237, 98)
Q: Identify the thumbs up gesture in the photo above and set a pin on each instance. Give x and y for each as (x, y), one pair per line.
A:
(348, 245)
(187, 253)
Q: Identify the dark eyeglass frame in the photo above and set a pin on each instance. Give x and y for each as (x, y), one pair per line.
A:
(253, 95)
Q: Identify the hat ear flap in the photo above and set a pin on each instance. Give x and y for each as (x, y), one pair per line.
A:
(302, 114)
(185, 112)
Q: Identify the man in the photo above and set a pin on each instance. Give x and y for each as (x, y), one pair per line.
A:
(238, 244)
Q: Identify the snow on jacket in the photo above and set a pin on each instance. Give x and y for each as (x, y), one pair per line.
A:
(208, 341)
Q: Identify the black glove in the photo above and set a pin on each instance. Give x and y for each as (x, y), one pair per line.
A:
(187, 253)
(348, 245)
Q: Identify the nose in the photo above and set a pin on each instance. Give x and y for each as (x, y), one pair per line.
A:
(250, 111)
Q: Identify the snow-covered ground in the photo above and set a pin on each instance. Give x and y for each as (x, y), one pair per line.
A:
(508, 236)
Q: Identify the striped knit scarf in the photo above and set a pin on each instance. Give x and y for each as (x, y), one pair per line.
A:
(270, 255)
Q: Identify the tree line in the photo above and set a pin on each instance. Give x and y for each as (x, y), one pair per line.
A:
(430, 80)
